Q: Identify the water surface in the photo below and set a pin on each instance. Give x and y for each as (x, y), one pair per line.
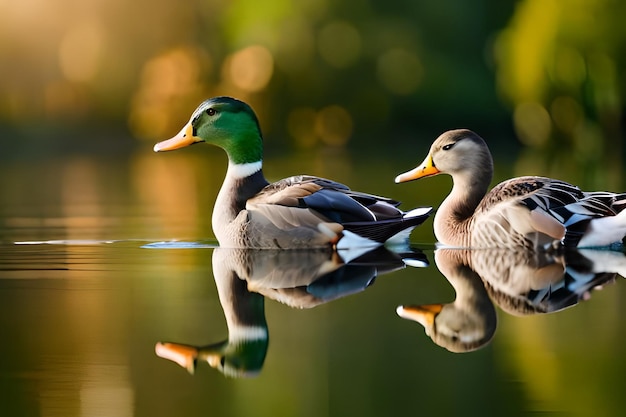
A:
(103, 258)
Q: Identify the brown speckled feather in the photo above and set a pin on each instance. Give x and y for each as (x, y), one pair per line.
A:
(285, 192)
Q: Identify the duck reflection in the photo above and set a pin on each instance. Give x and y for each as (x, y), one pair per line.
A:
(520, 282)
(298, 278)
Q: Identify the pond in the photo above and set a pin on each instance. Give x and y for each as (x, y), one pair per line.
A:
(111, 283)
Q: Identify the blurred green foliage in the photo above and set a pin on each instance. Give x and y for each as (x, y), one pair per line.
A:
(320, 72)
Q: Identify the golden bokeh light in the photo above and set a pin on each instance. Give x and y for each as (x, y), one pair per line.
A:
(170, 187)
(249, 69)
(171, 85)
(80, 50)
(81, 205)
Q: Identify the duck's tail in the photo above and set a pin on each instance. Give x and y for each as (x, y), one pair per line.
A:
(604, 231)
(391, 231)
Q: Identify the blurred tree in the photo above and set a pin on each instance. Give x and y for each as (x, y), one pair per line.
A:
(317, 72)
(560, 64)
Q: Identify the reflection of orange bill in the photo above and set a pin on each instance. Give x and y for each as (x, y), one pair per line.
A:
(424, 314)
(183, 355)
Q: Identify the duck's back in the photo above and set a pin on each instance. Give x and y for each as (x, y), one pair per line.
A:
(541, 209)
(307, 211)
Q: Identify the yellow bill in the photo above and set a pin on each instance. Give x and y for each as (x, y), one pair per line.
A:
(425, 169)
(184, 138)
(424, 314)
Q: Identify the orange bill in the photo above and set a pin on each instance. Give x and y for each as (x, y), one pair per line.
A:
(424, 314)
(425, 169)
(183, 355)
(184, 138)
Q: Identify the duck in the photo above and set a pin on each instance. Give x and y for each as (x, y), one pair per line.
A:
(520, 282)
(466, 324)
(307, 278)
(243, 353)
(300, 279)
(524, 283)
(528, 212)
(301, 211)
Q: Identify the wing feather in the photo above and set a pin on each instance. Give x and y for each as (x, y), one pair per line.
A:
(331, 199)
(563, 201)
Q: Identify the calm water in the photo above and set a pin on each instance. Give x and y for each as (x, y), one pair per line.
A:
(103, 259)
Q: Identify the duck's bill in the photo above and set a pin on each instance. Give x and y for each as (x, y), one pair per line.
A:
(183, 355)
(424, 314)
(184, 138)
(425, 169)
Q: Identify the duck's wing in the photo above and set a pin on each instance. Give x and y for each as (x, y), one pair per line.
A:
(533, 192)
(558, 197)
(308, 201)
(568, 207)
(331, 199)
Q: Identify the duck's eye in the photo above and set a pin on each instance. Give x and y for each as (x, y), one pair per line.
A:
(211, 111)
(448, 146)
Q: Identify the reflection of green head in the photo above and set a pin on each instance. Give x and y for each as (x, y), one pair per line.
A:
(243, 354)
(241, 357)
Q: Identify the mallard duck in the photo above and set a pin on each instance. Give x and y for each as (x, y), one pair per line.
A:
(526, 211)
(296, 212)
(243, 353)
(299, 278)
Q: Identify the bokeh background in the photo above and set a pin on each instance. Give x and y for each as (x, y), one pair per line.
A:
(352, 90)
(103, 75)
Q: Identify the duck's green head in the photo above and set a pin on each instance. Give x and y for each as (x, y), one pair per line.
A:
(225, 122)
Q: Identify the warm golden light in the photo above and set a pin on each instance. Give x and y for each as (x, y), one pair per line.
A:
(171, 85)
(80, 50)
(169, 185)
(64, 99)
(251, 68)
